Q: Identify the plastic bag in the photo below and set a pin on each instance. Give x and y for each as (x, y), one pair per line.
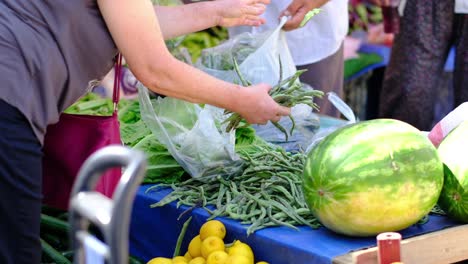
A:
(258, 56)
(192, 134)
(306, 125)
(344, 109)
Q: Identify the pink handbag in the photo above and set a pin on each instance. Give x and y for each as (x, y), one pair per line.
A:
(70, 142)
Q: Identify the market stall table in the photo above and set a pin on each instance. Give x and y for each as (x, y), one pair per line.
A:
(154, 232)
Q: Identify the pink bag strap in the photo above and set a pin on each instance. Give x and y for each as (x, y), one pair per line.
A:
(117, 81)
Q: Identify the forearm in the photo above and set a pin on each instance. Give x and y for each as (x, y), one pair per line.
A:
(171, 77)
(139, 38)
(179, 20)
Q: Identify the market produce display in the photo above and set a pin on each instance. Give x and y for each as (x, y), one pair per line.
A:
(381, 175)
(453, 151)
(267, 191)
(371, 177)
(209, 247)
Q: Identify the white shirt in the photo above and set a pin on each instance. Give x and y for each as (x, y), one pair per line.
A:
(321, 37)
(461, 6)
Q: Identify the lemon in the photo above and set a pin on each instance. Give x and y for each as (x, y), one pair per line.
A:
(238, 259)
(212, 228)
(211, 244)
(241, 249)
(217, 257)
(179, 260)
(262, 262)
(160, 260)
(194, 247)
(187, 256)
(197, 260)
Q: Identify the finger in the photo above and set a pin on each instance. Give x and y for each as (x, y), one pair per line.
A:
(276, 119)
(257, 21)
(265, 2)
(283, 111)
(295, 20)
(264, 86)
(263, 122)
(293, 7)
(256, 9)
(285, 13)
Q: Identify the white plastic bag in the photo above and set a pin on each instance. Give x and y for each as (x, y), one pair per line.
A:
(258, 56)
(344, 109)
(306, 124)
(192, 134)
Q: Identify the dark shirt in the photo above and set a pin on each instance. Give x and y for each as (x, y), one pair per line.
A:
(51, 51)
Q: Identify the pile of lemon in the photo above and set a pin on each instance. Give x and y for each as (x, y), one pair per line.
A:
(208, 248)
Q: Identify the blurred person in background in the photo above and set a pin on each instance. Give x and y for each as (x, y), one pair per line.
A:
(428, 30)
(51, 52)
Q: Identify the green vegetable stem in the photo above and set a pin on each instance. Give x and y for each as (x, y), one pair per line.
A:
(288, 92)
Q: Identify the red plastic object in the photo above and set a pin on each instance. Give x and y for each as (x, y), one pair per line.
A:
(388, 245)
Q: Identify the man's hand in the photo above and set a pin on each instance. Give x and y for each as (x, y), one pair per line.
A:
(240, 12)
(297, 10)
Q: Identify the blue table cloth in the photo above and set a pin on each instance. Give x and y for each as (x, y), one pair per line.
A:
(154, 232)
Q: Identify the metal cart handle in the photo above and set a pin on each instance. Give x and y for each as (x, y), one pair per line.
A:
(110, 216)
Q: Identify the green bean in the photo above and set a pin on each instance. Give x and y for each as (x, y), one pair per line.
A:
(181, 237)
(293, 124)
(219, 200)
(257, 222)
(279, 222)
(266, 191)
(236, 68)
(166, 200)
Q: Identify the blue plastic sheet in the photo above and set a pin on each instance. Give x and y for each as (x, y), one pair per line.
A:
(154, 232)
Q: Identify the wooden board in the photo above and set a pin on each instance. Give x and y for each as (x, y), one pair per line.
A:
(445, 246)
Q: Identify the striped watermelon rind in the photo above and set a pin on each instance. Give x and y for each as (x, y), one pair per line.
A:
(453, 151)
(373, 176)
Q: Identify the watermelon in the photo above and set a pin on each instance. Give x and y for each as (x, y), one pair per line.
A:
(453, 151)
(371, 177)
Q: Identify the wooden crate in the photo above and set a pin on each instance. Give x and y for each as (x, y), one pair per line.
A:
(444, 246)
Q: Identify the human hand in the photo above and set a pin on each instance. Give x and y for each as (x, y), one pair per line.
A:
(257, 106)
(240, 12)
(297, 11)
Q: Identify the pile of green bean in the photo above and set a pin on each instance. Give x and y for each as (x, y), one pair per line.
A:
(267, 192)
(288, 92)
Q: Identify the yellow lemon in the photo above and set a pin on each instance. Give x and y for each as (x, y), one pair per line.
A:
(194, 247)
(262, 262)
(212, 228)
(217, 257)
(241, 249)
(211, 244)
(187, 256)
(160, 260)
(238, 259)
(179, 260)
(197, 260)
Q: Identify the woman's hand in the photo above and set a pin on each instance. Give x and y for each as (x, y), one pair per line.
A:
(240, 12)
(297, 10)
(257, 106)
